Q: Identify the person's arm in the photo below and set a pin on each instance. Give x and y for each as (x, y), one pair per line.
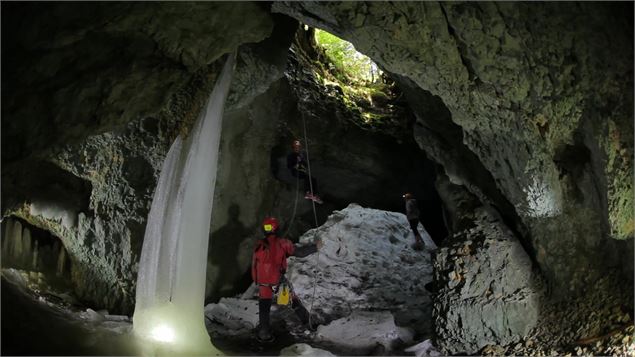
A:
(254, 274)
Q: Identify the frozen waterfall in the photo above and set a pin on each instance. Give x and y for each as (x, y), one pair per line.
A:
(171, 279)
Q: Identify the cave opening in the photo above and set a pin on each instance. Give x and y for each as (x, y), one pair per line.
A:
(350, 86)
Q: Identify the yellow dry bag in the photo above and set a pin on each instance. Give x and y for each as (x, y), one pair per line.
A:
(283, 295)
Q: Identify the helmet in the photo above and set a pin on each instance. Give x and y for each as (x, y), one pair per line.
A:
(270, 225)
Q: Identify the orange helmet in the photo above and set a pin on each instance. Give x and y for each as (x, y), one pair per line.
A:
(270, 225)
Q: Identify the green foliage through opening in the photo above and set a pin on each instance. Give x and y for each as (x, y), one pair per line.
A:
(351, 66)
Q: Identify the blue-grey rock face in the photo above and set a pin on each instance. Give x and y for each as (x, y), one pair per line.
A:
(487, 292)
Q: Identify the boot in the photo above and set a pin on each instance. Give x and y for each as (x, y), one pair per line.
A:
(264, 328)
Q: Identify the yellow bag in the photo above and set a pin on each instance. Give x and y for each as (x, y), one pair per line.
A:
(283, 295)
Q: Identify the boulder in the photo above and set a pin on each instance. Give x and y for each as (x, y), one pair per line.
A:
(366, 263)
(487, 292)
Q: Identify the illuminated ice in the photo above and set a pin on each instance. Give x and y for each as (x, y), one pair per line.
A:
(171, 279)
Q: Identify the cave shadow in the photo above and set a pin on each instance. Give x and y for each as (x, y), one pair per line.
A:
(225, 246)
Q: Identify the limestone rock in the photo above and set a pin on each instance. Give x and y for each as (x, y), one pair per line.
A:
(366, 263)
(487, 292)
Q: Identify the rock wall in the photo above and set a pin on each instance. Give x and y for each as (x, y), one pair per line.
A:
(527, 84)
(72, 70)
(484, 277)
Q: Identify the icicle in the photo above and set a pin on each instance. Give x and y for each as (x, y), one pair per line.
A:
(34, 262)
(26, 242)
(16, 237)
(6, 239)
(61, 262)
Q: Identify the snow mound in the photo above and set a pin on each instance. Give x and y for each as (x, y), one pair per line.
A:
(236, 316)
(302, 349)
(362, 331)
(366, 263)
(424, 349)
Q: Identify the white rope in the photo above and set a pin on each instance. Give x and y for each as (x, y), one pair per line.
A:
(308, 163)
(317, 260)
(295, 205)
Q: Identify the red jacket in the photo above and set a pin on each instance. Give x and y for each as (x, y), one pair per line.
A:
(270, 259)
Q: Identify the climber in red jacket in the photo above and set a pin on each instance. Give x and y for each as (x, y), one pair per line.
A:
(269, 263)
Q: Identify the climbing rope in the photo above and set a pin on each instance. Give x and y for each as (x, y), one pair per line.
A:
(308, 164)
(295, 205)
(317, 259)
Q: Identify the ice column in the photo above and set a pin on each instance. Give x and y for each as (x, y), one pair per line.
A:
(171, 279)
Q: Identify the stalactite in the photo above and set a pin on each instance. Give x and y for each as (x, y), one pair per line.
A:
(27, 241)
(6, 239)
(34, 259)
(61, 262)
(16, 240)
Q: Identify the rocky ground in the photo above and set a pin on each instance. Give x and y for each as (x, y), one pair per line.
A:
(595, 324)
(369, 300)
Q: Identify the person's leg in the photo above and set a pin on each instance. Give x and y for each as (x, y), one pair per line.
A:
(300, 310)
(413, 225)
(264, 308)
(307, 185)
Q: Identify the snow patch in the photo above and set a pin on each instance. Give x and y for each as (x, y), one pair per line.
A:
(424, 349)
(302, 349)
(236, 316)
(362, 331)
